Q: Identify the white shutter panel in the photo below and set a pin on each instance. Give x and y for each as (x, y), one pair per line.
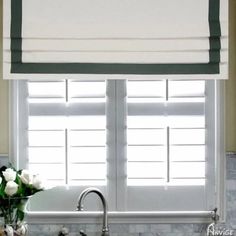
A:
(163, 141)
(166, 145)
(67, 131)
(181, 39)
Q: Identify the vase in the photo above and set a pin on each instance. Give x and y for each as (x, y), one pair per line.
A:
(13, 212)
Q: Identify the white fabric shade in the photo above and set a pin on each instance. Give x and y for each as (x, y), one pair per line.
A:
(141, 39)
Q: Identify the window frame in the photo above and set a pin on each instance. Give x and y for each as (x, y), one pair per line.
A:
(17, 88)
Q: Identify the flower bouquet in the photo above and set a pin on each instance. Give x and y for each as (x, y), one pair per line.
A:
(15, 189)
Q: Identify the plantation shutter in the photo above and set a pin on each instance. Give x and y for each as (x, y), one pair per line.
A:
(168, 147)
(67, 131)
(168, 118)
(144, 39)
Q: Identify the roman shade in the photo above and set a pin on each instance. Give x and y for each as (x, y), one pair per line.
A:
(115, 39)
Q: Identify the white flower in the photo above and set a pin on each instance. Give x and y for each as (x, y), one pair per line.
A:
(26, 177)
(11, 188)
(37, 182)
(22, 229)
(0, 179)
(9, 230)
(9, 174)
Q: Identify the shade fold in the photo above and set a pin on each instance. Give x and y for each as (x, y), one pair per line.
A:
(147, 38)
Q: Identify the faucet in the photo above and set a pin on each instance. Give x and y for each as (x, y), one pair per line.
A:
(211, 227)
(105, 229)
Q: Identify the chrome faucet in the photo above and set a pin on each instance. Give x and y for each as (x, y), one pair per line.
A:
(211, 227)
(105, 229)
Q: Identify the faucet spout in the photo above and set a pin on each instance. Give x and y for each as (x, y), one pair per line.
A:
(105, 229)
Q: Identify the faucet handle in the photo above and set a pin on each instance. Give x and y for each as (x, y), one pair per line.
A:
(64, 231)
(82, 233)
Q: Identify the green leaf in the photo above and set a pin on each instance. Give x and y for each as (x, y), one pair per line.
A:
(2, 193)
(20, 215)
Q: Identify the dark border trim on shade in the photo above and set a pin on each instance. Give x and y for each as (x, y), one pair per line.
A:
(17, 66)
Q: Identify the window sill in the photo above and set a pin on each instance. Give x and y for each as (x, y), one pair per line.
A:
(36, 217)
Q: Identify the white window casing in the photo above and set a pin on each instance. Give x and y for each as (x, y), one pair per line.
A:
(126, 198)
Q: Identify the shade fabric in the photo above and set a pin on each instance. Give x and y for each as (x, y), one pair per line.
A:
(140, 39)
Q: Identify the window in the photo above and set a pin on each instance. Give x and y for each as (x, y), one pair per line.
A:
(148, 145)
